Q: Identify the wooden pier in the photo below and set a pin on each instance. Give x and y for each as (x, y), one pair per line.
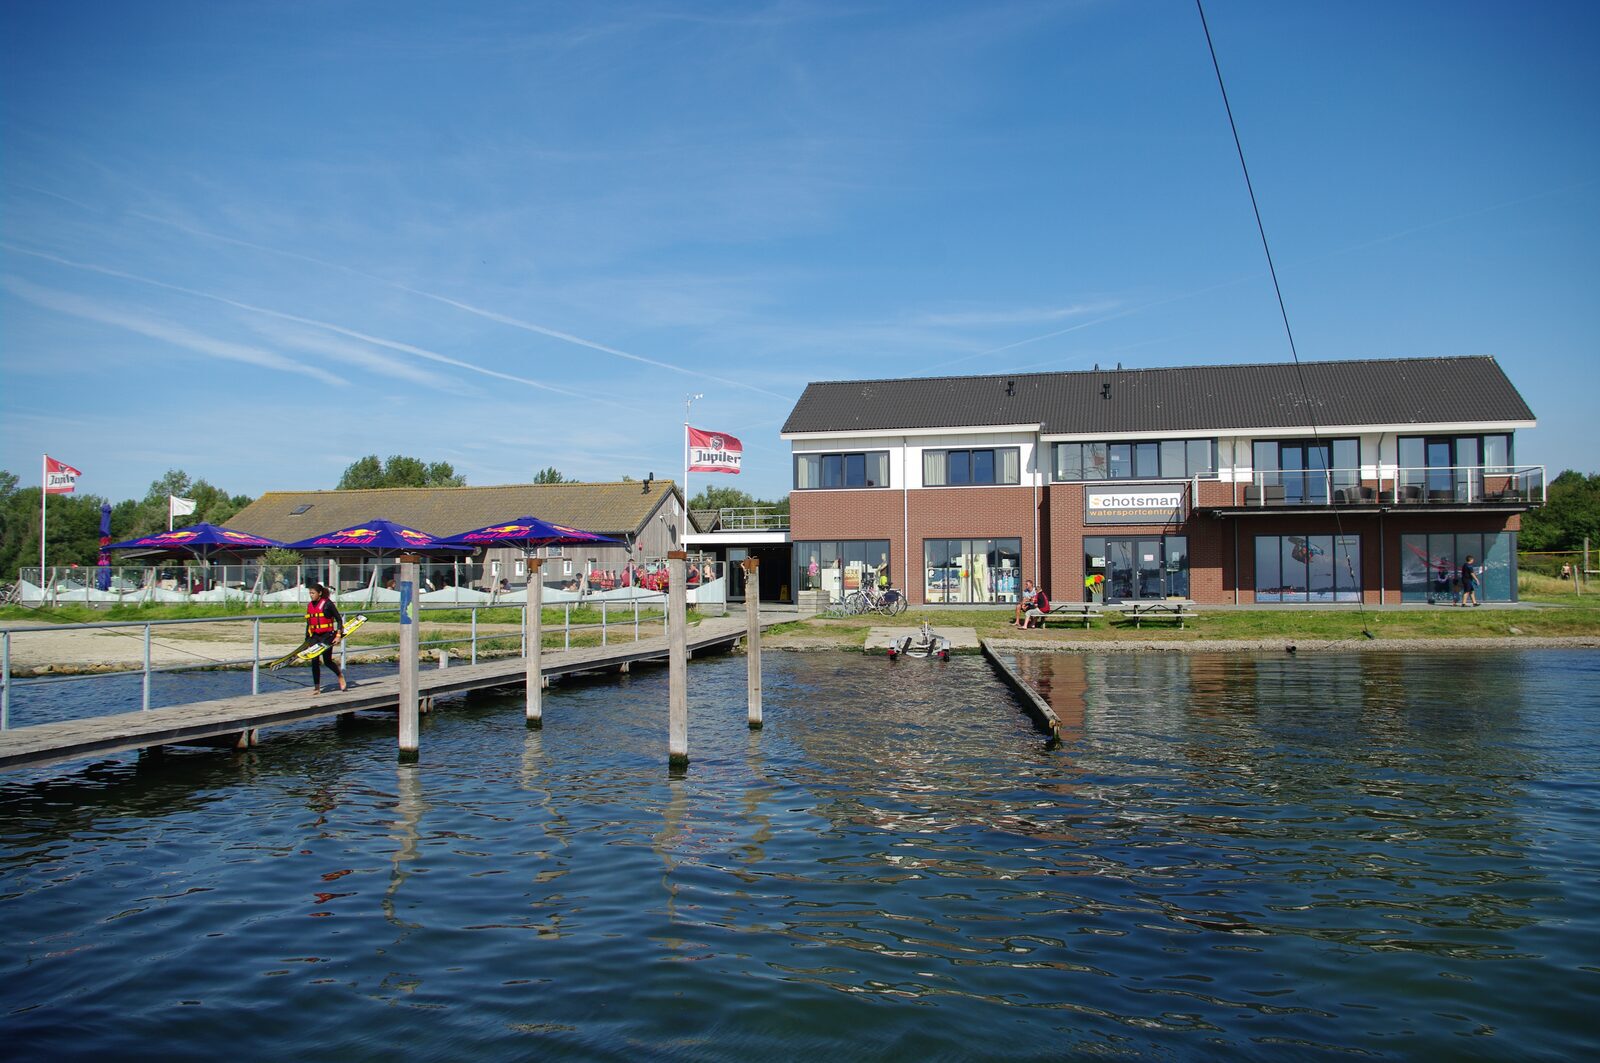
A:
(235, 721)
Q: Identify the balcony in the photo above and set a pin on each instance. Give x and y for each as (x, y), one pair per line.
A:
(753, 518)
(1474, 487)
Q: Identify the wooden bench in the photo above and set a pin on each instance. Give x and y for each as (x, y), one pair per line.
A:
(1071, 612)
(1176, 611)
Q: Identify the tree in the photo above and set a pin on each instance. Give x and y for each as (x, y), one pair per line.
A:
(398, 471)
(721, 498)
(549, 475)
(1571, 512)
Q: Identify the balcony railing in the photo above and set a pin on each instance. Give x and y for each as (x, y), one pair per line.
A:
(753, 518)
(1432, 485)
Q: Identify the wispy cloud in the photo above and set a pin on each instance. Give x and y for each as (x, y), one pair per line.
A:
(1014, 316)
(395, 345)
(353, 353)
(165, 331)
(469, 308)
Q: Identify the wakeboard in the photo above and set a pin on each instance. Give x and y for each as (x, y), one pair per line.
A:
(309, 649)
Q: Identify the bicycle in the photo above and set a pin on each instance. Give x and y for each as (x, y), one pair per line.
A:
(888, 602)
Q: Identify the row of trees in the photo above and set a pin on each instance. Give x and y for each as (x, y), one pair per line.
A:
(73, 521)
(1570, 515)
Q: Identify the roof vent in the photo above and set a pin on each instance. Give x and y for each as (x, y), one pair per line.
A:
(1105, 390)
(1011, 387)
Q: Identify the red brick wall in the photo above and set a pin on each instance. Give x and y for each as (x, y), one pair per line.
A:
(1007, 512)
(933, 513)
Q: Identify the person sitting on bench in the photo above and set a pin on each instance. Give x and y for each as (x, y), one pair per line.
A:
(1036, 612)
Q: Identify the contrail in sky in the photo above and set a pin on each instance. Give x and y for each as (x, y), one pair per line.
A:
(379, 341)
(491, 315)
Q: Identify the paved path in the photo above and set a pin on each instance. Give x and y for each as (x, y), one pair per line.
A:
(232, 720)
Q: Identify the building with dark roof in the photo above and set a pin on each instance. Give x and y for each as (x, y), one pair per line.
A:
(1320, 482)
(647, 515)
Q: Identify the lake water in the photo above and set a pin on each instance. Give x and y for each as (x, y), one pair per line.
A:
(1266, 857)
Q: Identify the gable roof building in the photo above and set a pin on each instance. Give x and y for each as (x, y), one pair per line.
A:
(629, 510)
(1353, 481)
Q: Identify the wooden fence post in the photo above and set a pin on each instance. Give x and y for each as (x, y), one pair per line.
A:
(677, 662)
(410, 727)
(752, 637)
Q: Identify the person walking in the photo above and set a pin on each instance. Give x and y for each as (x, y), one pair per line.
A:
(324, 625)
(1469, 582)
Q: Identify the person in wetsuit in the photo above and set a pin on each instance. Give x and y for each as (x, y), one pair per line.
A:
(325, 625)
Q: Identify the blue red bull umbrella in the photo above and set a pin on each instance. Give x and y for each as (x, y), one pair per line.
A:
(199, 541)
(377, 538)
(529, 533)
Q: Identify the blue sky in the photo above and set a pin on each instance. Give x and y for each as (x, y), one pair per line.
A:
(257, 241)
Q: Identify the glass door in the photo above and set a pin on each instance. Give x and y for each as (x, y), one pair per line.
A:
(1148, 555)
(736, 554)
(1441, 485)
(1120, 574)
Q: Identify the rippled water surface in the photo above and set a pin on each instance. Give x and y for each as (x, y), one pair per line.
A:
(1321, 857)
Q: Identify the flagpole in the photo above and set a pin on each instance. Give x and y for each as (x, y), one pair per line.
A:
(688, 401)
(169, 511)
(44, 465)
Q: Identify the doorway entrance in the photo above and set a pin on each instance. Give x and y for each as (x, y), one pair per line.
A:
(1138, 568)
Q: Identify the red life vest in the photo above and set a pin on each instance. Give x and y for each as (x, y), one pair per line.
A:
(318, 622)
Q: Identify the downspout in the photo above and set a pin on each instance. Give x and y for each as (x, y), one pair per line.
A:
(1037, 546)
(905, 515)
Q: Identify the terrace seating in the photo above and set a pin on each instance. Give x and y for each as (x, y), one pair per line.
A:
(1271, 495)
(1171, 609)
(1071, 613)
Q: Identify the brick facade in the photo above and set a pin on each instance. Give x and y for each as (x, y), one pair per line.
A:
(1221, 549)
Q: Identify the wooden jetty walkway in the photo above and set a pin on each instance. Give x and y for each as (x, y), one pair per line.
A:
(234, 721)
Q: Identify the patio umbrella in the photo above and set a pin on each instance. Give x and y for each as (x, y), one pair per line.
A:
(199, 541)
(529, 533)
(102, 579)
(376, 538)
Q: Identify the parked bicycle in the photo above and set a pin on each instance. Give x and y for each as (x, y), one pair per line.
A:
(887, 601)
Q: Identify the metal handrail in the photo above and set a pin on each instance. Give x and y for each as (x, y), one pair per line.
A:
(146, 670)
(1395, 485)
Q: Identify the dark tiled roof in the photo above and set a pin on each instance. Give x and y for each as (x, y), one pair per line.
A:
(1186, 399)
(614, 509)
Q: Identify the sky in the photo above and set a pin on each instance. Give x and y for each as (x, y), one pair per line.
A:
(257, 241)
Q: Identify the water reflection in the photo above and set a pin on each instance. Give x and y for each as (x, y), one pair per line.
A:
(1226, 855)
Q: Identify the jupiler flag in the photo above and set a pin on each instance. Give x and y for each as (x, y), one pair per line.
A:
(59, 477)
(714, 452)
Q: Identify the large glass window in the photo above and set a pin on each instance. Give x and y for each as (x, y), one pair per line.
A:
(1308, 568)
(956, 468)
(1451, 468)
(1130, 568)
(1430, 566)
(856, 469)
(841, 566)
(1161, 459)
(972, 570)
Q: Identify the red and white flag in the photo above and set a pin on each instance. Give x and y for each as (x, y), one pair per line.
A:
(714, 452)
(59, 477)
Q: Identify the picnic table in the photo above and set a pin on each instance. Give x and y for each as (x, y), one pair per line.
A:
(1174, 609)
(1071, 612)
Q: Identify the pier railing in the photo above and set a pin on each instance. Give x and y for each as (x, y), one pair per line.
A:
(619, 621)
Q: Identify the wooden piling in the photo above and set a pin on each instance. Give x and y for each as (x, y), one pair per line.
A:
(533, 638)
(410, 717)
(752, 638)
(677, 661)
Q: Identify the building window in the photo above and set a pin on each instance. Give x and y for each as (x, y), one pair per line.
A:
(1308, 568)
(1451, 468)
(1160, 459)
(1124, 568)
(1308, 470)
(1430, 566)
(972, 570)
(814, 472)
(839, 567)
(956, 468)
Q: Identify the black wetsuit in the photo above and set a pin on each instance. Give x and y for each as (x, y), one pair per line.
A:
(331, 612)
